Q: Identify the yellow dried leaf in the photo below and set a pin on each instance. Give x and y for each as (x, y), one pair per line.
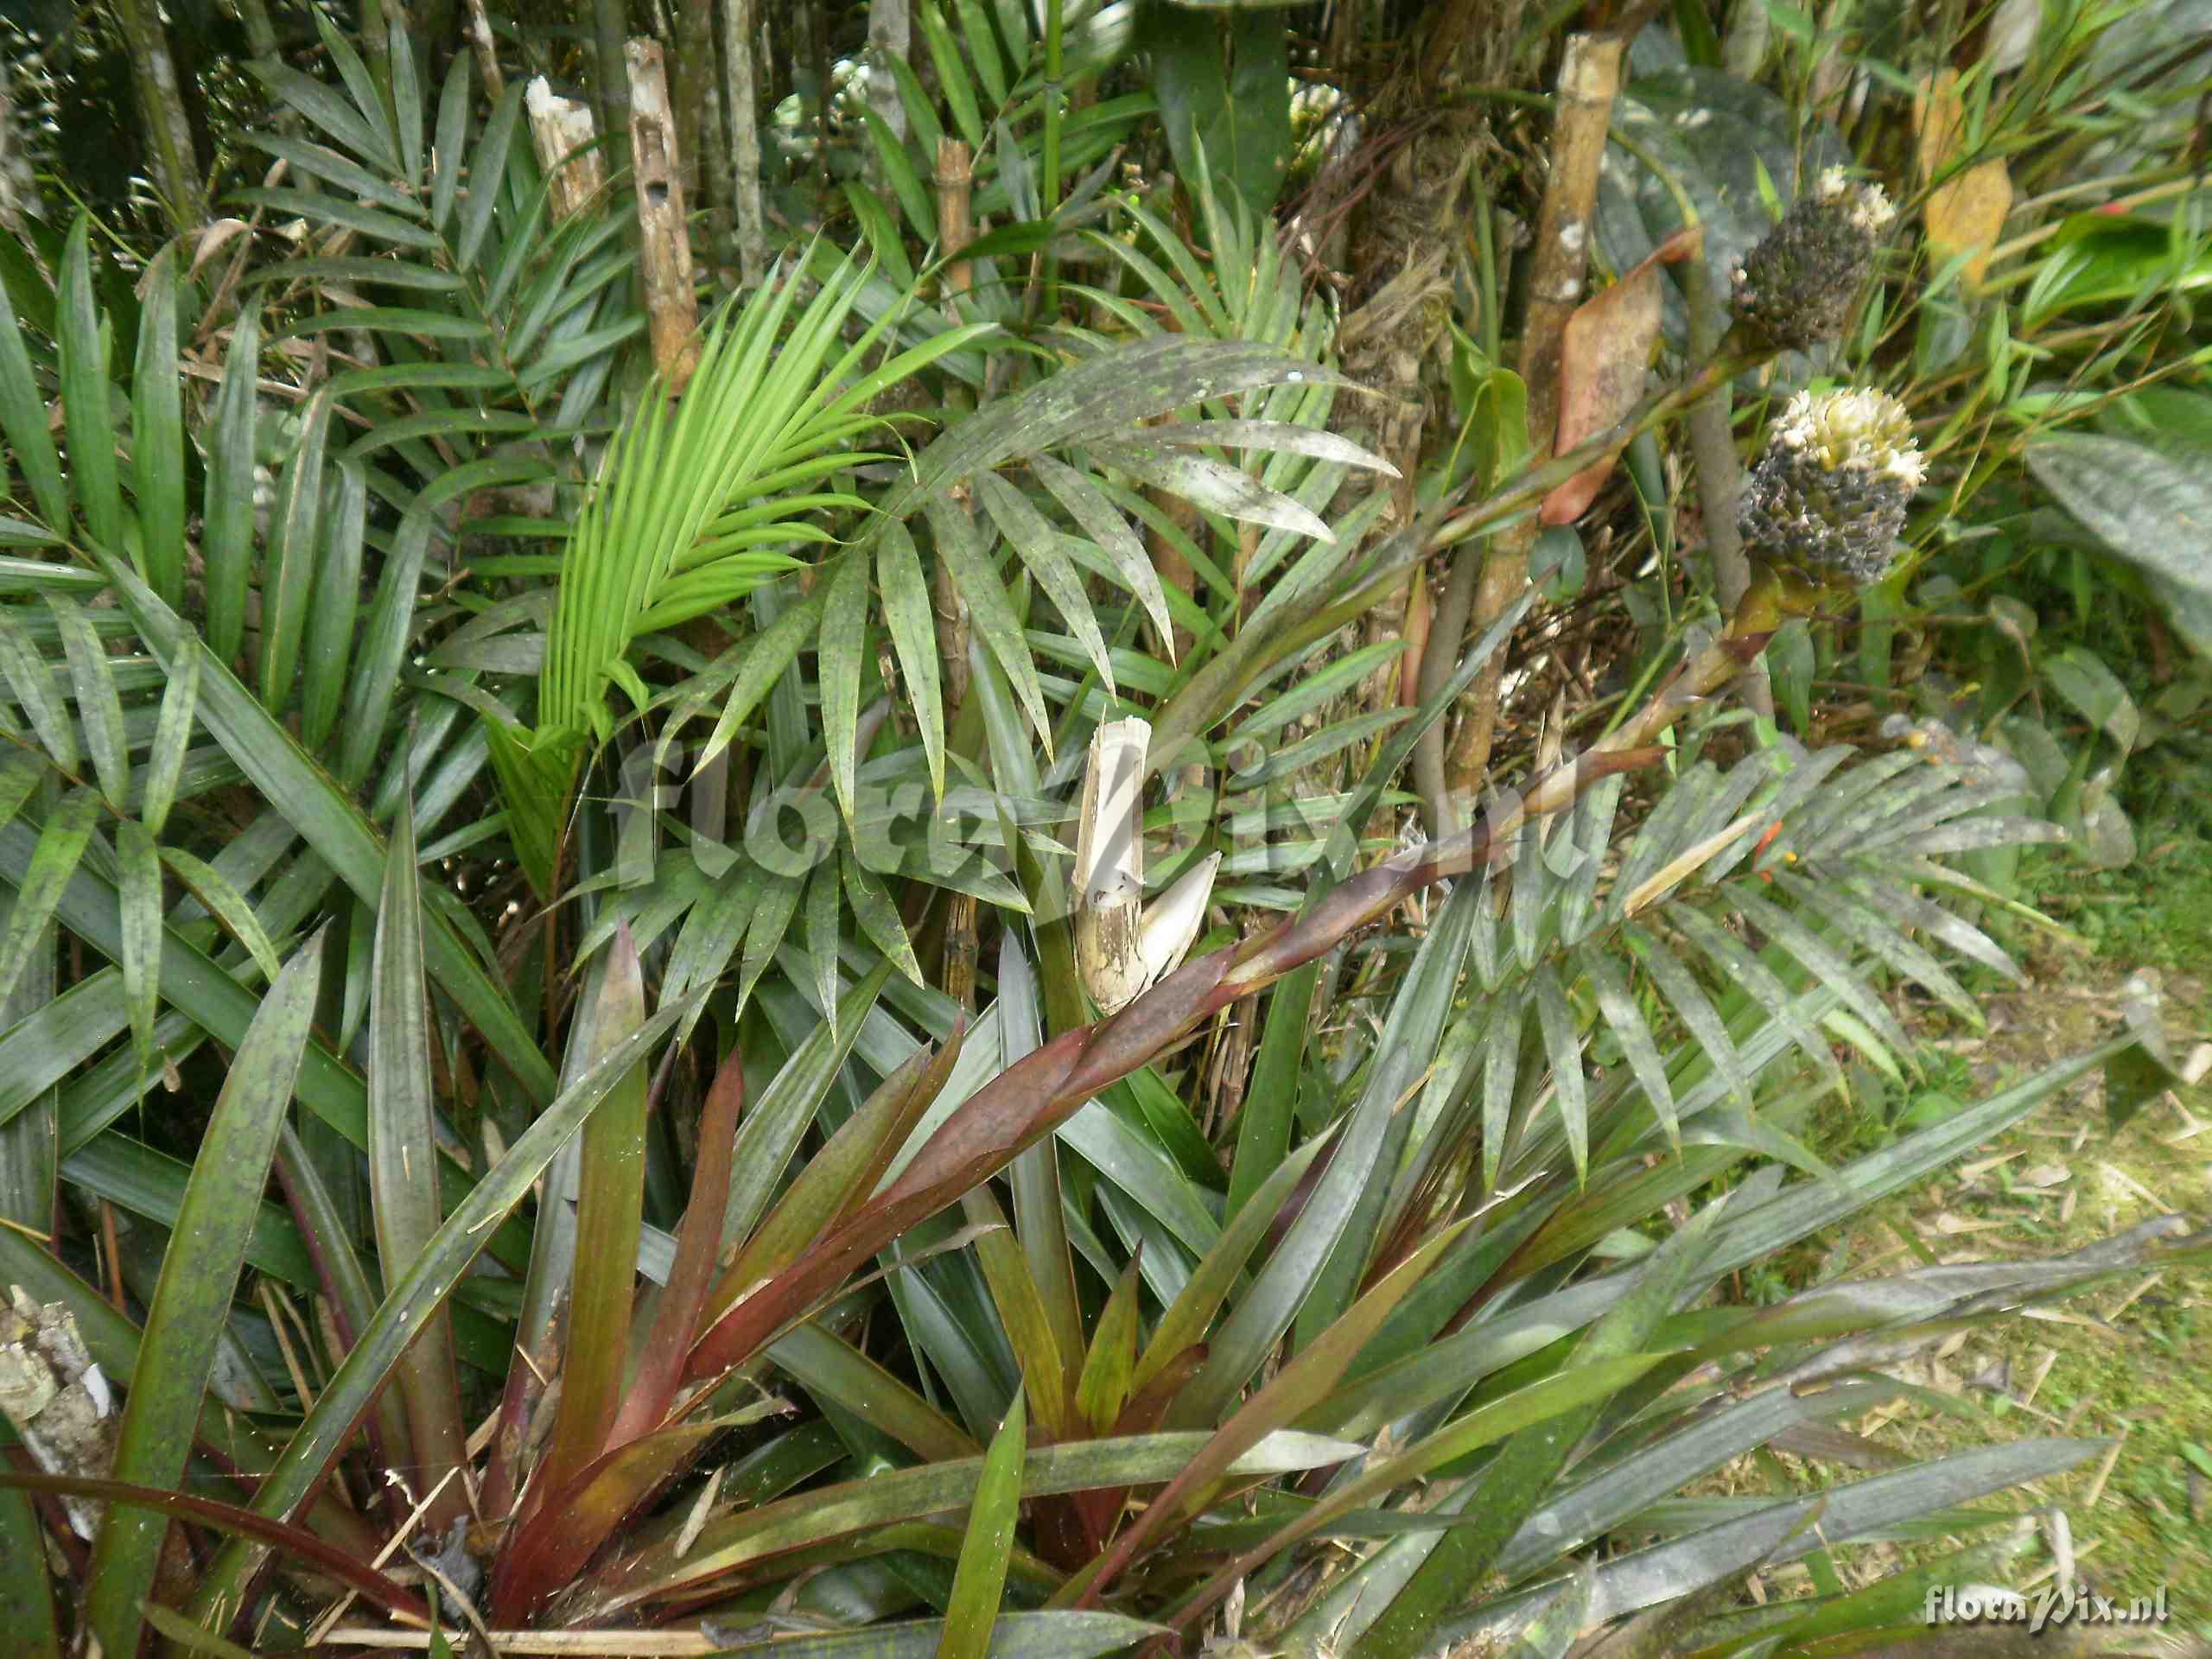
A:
(1964, 213)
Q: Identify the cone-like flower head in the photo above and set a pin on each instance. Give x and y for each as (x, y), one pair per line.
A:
(1827, 498)
(1796, 286)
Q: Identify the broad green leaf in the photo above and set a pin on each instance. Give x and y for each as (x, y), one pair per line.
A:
(172, 735)
(1184, 1324)
(1109, 1368)
(836, 1373)
(2149, 509)
(975, 574)
(334, 619)
(1216, 486)
(1563, 1044)
(29, 676)
(1626, 1023)
(823, 910)
(877, 913)
(487, 161)
(1523, 1471)
(839, 651)
(1690, 1004)
(330, 822)
(26, 1592)
(1037, 544)
(1088, 505)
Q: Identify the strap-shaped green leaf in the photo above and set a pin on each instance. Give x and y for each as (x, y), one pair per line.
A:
(330, 822)
(226, 903)
(287, 579)
(61, 843)
(99, 708)
(1691, 1005)
(1626, 1023)
(907, 613)
(980, 1579)
(976, 576)
(85, 341)
(1738, 965)
(1036, 542)
(191, 1304)
(403, 1182)
(1563, 1045)
(158, 433)
(23, 418)
(138, 884)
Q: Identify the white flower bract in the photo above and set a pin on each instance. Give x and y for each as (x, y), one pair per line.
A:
(1860, 429)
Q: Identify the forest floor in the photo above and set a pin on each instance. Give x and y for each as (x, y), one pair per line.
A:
(2130, 1360)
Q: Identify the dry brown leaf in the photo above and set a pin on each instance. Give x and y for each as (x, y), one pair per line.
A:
(1965, 213)
(2047, 1175)
(1952, 1225)
(1602, 359)
(2199, 1065)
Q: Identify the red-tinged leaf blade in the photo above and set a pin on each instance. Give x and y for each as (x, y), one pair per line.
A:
(1291, 1393)
(847, 1167)
(295, 1476)
(166, 1505)
(610, 1210)
(566, 1529)
(770, 1529)
(698, 1242)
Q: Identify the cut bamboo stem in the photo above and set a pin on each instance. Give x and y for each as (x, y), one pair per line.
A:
(956, 226)
(664, 252)
(1589, 79)
(741, 104)
(561, 131)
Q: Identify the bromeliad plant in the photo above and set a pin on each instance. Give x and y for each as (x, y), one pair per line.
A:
(1411, 1274)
